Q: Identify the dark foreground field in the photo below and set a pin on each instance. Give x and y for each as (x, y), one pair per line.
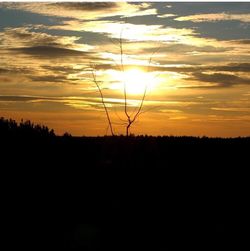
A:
(123, 193)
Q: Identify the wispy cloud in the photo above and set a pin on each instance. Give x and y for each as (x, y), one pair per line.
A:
(215, 17)
(202, 69)
(166, 15)
(52, 52)
(232, 109)
(86, 10)
(232, 68)
(26, 36)
(219, 80)
(128, 31)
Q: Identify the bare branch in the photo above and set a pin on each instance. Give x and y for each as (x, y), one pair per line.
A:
(123, 120)
(124, 82)
(145, 90)
(102, 98)
(130, 116)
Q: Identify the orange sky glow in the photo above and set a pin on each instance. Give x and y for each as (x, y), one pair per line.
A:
(192, 60)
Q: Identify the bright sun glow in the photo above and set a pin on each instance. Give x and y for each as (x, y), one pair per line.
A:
(135, 81)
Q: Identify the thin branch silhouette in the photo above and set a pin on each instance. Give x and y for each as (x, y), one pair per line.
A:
(93, 71)
(131, 117)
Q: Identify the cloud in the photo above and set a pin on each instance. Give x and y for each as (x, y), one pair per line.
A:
(166, 15)
(232, 109)
(241, 41)
(219, 80)
(89, 6)
(215, 17)
(48, 78)
(129, 31)
(234, 67)
(86, 11)
(61, 69)
(27, 40)
(50, 52)
(17, 98)
(3, 70)
(173, 48)
(26, 36)
(15, 70)
(93, 103)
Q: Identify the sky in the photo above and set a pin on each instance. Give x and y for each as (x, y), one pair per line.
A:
(192, 59)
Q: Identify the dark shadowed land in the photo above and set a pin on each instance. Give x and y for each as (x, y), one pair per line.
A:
(123, 193)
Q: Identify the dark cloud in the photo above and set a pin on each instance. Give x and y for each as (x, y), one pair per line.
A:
(26, 36)
(233, 67)
(18, 98)
(236, 67)
(4, 71)
(51, 51)
(21, 35)
(185, 48)
(149, 68)
(14, 70)
(87, 6)
(21, 98)
(220, 79)
(242, 41)
(60, 69)
(48, 78)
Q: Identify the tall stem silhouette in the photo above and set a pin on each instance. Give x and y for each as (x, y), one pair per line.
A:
(102, 100)
(130, 117)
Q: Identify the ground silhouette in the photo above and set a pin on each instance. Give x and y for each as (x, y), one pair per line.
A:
(120, 193)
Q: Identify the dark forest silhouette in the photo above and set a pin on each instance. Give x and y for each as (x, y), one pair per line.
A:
(122, 193)
(9, 127)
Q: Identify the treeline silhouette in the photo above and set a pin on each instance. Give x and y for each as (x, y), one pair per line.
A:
(9, 127)
(122, 193)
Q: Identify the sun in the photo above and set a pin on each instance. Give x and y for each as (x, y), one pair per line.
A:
(135, 80)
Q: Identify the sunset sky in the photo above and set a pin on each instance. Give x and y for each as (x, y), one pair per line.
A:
(194, 59)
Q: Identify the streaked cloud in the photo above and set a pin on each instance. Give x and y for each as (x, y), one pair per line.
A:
(199, 62)
(219, 79)
(50, 52)
(215, 17)
(86, 10)
(26, 36)
(232, 109)
(233, 67)
(128, 31)
(166, 15)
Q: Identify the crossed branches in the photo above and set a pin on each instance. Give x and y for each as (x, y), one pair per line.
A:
(130, 117)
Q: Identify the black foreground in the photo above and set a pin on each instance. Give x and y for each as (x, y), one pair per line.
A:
(123, 193)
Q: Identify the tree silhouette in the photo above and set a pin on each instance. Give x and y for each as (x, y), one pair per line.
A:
(9, 127)
(131, 117)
